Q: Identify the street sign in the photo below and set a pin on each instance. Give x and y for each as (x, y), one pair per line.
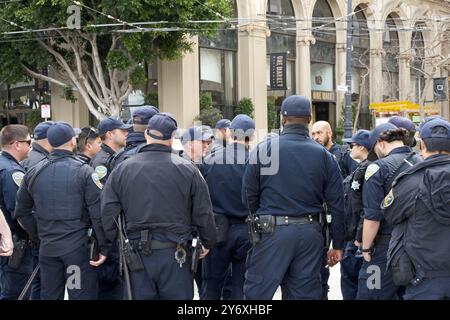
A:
(342, 88)
(440, 89)
(45, 111)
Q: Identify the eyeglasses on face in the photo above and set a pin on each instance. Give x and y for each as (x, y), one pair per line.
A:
(27, 141)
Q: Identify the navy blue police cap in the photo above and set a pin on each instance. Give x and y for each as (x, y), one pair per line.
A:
(296, 105)
(436, 134)
(430, 118)
(60, 133)
(374, 135)
(361, 137)
(196, 133)
(223, 124)
(40, 132)
(401, 122)
(143, 114)
(163, 123)
(242, 126)
(110, 124)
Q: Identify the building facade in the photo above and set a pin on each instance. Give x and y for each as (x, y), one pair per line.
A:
(399, 46)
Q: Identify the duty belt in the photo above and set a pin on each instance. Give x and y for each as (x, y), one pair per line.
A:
(286, 220)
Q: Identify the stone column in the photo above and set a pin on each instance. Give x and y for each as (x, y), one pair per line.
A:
(303, 65)
(252, 70)
(341, 63)
(404, 77)
(179, 86)
(376, 75)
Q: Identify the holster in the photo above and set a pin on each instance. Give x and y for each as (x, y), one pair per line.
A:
(267, 223)
(402, 268)
(254, 230)
(132, 257)
(20, 247)
(222, 225)
(94, 251)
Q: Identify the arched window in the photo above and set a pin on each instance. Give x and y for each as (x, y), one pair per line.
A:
(391, 47)
(281, 22)
(218, 68)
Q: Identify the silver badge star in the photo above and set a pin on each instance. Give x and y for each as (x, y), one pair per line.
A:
(355, 185)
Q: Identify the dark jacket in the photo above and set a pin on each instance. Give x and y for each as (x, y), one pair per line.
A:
(223, 171)
(342, 154)
(65, 194)
(102, 162)
(418, 209)
(36, 155)
(159, 191)
(301, 176)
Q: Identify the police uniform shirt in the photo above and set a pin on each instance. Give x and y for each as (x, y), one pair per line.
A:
(307, 176)
(84, 158)
(420, 197)
(102, 162)
(66, 199)
(158, 190)
(223, 171)
(11, 177)
(374, 189)
(36, 155)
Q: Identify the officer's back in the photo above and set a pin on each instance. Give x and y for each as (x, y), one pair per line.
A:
(175, 202)
(40, 147)
(285, 183)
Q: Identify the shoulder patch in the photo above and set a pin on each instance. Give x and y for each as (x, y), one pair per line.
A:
(388, 200)
(101, 171)
(96, 180)
(371, 170)
(17, 176)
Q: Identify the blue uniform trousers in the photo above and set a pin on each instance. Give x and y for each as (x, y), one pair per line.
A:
(291, 256)
(12, 281)
(374, 283)
(162, 277)
(72, 269)
(350, 267)
(429, 289)
(217, 264)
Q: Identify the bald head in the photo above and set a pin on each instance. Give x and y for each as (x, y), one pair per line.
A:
(321, 132)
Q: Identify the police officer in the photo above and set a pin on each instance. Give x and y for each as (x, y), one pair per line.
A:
(159, 222)
(136, 138)
(353, 186)
(65, 195)
(113, 133)
(6, 244)
(195, 141)
(417, 207)
(14, 271)
(40, 148)
(222, 135)
(387, 143)
(286, 190)
(401, 122)
(89, 144)
(322, 133)
(223, 172)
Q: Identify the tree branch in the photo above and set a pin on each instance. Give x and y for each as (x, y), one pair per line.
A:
(44, 78)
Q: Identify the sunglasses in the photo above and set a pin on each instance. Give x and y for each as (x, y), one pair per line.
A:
(352, 145)
(27, 141)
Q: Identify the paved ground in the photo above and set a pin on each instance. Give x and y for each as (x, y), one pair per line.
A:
(333, 282)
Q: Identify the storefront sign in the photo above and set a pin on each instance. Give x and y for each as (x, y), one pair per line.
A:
(328, 96)
(440, 89)
(278, 71)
